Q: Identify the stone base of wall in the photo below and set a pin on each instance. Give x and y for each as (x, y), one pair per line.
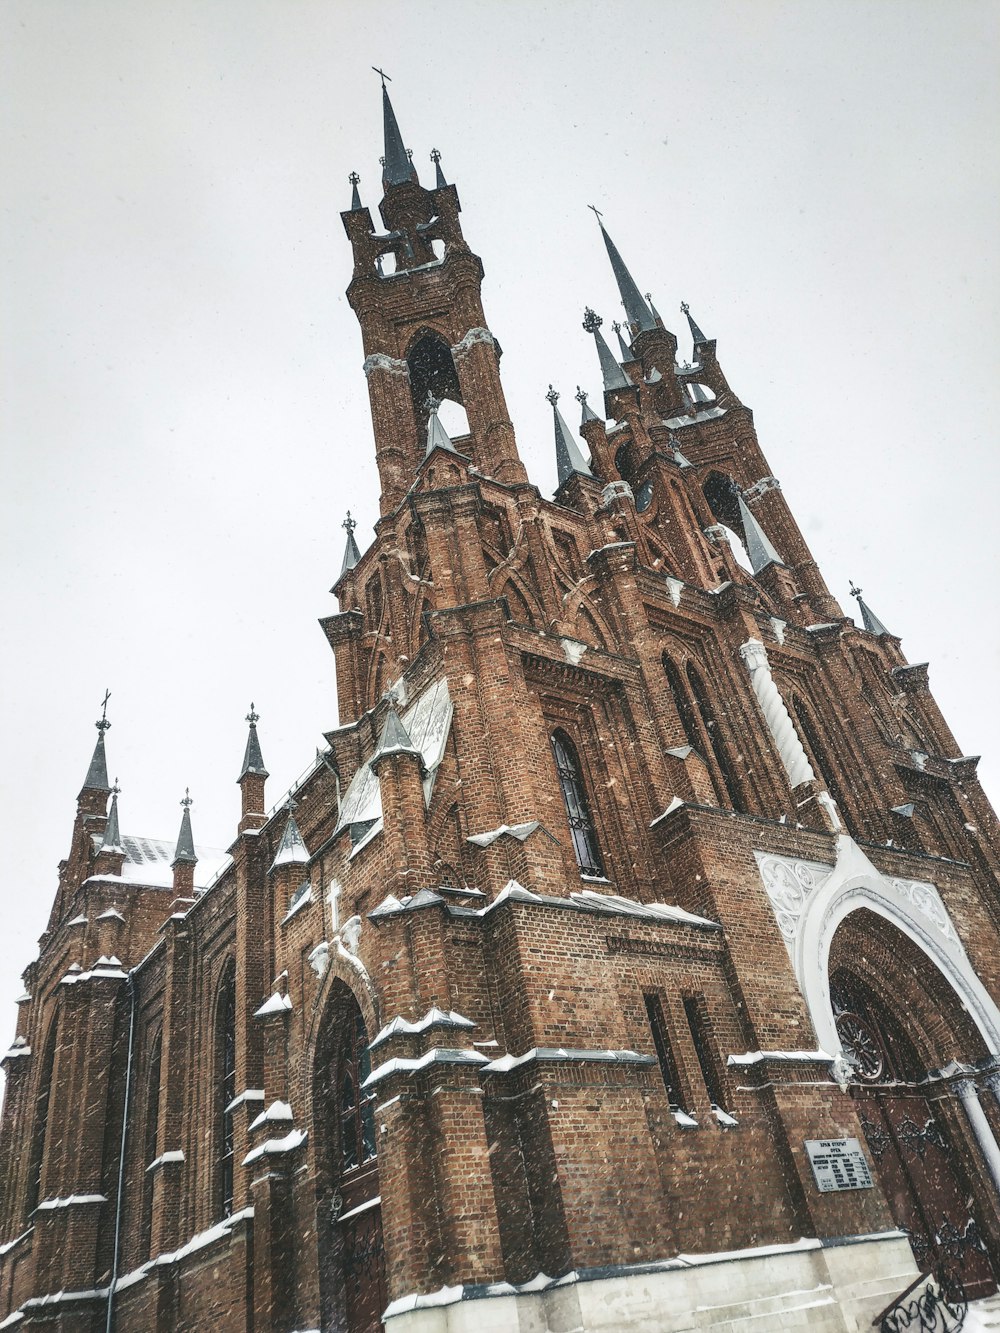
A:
(823, 1286)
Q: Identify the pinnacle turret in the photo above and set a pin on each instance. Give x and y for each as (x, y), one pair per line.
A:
(569, 459)
(696, 334)
(638, 312)
(292, 847)
(437, 436)
(253, 760)
(759, 547)
(623, 347)
(397, 167)
(395, 739)
(588, 413)
(185, 853)
(869, 619)
(355, 180)
(112, 840)
(439, 180)
(351, 553)
(97, 773)
(614, 376)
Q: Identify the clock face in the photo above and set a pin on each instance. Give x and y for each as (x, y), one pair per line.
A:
(644, 496)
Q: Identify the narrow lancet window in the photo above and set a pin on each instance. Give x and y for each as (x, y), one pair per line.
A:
(226, 1063)
(664, 1055)
(581, 826)
(698, 1023)
(714, 739)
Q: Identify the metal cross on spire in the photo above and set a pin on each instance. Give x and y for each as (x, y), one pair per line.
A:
(104, 724)
(354, 178)
(349, 524)
(382, 74)
(855, 590)
(685, 308)
(187, 801)
(552, 396)
(596, 212)
(253, 717)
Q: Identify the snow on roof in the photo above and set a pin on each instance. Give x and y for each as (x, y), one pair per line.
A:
(148, 861)
(427, 723)
(434, 1017)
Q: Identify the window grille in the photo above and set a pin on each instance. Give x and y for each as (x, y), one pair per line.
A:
(581, 826)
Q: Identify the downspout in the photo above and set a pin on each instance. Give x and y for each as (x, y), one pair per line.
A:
(121, 1155)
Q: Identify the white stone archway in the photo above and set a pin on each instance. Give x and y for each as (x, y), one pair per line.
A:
(811, 900)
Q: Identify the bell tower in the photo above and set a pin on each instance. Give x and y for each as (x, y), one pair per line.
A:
(416, 293)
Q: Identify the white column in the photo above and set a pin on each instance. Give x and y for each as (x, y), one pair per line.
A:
(988, 1146)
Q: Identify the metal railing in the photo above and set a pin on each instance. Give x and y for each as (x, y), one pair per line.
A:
(939, 1307)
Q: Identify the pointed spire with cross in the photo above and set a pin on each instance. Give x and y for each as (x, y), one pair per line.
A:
(185, 853)
(351, 553)
(253, 760)
(636, 310)
(97, 773)
(397, 167)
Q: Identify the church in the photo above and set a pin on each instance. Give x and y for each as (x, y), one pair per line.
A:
(628, 958)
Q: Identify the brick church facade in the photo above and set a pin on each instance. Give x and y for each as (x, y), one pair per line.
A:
(629, 959)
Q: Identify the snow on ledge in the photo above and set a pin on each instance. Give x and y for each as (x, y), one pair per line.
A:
(277, 1004)
(542, 1282)
(275, 1147)
(276, 1111)
(70, 1201)
(434, 1017)
(251, 1095)
(439, 1055)
(175, 1155)
(506, 1063)
(18, 1050)
(5, 1249)
(788, 1057)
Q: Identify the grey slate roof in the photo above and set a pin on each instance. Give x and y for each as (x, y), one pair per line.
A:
(569, 459)
(253, 760)
(184, 851)
(292, 848)
(759, 548)
(97, 773)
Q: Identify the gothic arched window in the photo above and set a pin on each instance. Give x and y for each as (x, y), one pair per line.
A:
(581, 826)
(714, 738)
(150, 1134)
(682, 702)
(357, 1104)
(225, 1062)
(36, 1161)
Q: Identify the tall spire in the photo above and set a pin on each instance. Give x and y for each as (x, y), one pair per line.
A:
(869, 619)
(759, 548)
(396, 165)
(97, 773)
(696, 334)
(185, 853)
(614, 376)
(439, 180)
(112, 840)
(437, 436)
(351, 553)
(568, 456)
(638, 312)
(253, 760)
(588, 413)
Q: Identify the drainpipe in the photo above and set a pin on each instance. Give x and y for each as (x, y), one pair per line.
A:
(133, 1001)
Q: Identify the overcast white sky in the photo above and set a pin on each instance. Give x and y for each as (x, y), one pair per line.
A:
(184, 417)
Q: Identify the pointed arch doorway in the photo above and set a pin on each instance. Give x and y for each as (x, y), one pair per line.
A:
(913, 1127)
(349, 1215)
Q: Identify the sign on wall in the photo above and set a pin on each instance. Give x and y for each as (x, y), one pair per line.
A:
(838, 1164)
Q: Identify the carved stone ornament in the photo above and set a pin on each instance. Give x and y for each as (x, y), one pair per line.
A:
(379, 361)
(760, 488)
(350, 934)
(319, 959)
(788, 884)
(471, 338)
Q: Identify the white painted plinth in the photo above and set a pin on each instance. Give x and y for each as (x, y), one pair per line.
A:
(825, 1287)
